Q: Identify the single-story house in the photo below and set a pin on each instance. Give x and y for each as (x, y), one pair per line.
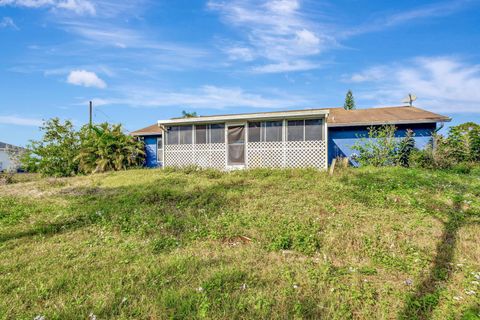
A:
(7, 154)
(297, 138)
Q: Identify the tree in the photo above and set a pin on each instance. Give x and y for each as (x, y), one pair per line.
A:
(464, 140)
(105, 147)
(349, 101)
(186, 114)
(63, 151)
(55, 154)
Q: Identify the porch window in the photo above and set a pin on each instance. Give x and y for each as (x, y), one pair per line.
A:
(313, 129)
(305, 130)
(172, 135)
(254, 131)
(201, 134)
(265, 131)
(295, 130)
(273, 131)
(179, 135)
(217, 133)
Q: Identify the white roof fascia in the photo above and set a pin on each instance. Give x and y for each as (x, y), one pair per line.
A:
(247, 116)
(376, 123)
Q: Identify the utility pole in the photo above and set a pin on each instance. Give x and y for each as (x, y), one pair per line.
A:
(91, 108)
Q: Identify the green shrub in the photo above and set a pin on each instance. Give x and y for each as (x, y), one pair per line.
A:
(56, 153)
(405, 148)
(459, 151)
(64, 151)
(379, 149)
(105, 147)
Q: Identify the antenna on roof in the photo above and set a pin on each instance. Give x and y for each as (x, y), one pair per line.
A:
(409, 99)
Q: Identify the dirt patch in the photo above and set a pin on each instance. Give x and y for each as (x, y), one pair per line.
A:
(236, 240)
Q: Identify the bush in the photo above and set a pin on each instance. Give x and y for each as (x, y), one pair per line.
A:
(379, 149)
(460, 150)
(405, 149)
(55, 154)
(105, 147)
(64, 151)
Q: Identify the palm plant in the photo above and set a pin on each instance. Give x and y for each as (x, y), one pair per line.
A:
(105, 147)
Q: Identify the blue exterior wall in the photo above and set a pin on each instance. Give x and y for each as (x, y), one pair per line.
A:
(151, 151)
(342, 139)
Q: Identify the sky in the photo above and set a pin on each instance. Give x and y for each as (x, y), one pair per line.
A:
(140, 61)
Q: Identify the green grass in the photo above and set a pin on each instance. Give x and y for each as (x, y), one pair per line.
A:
(388, 243)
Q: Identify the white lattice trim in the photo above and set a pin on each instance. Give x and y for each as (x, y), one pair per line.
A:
(277, 154)
(292, 154)
(210, 155)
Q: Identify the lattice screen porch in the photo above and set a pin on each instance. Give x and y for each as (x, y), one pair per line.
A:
(281, 154)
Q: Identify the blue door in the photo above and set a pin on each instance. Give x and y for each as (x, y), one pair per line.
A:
(151, 151)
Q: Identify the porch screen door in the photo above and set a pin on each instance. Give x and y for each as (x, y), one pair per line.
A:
(236, 145)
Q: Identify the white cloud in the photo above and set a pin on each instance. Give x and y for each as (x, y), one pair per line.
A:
(370, 74)
(439, 9)
(298, 65)
(80, 7)
(442, 84)
(208, 96)
(20, 121)
(7, 22)
(240, 53)
(283, 6)
(86, 79)
(275, 31)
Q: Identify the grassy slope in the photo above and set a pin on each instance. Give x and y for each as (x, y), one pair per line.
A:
(165, 244)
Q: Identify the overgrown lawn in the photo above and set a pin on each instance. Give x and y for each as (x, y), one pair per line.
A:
(367, 243)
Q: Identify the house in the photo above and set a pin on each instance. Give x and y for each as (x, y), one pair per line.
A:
(8, 154)
(298, 138)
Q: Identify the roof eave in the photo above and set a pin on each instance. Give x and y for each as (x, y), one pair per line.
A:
(375, 123)
(246, 117)
(142, 134)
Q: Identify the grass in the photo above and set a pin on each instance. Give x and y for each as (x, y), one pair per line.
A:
(367, 243)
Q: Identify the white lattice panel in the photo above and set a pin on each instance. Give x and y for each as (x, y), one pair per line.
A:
(292, 154)
(203, 155)
(306, 154)
(265, 154)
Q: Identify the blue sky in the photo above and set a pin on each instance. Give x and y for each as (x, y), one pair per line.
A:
(144, 60)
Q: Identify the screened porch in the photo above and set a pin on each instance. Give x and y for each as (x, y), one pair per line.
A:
(249, 143)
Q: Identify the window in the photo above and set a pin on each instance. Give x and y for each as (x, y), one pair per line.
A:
(201, 134)
(265, 131)
(313, 129)
(172, 135)
(185, 134)
(179, 135)
(305, 130)
(254, 131)
(273, 131)
(217, 133)
(160, 149)
(295, 130)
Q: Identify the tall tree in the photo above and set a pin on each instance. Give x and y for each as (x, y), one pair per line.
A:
(349, 101)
